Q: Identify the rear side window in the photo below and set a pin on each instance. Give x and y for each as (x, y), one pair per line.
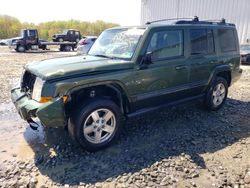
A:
(227, 40)
(202, 41)
(166, 44)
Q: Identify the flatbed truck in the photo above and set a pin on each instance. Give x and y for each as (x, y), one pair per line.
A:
(29, 40)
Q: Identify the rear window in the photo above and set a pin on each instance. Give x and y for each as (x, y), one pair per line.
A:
(227, 40)
(202, 41)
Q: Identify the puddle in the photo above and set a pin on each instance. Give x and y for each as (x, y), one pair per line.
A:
(17, 138)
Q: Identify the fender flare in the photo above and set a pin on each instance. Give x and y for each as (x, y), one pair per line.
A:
(217, 70)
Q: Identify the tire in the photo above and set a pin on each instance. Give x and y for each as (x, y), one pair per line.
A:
(67, 48)
(248, 59)
(44, 47)
(60, 39)
(20, 48)
(90, 128)
(217, 94)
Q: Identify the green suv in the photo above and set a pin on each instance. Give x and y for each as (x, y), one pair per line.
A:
(130, 71)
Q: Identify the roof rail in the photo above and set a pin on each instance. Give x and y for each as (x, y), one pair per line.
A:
(169, 19)
(194, 20)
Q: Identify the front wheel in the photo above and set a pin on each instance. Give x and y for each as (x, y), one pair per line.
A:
(97, 124)
(20, 48)
(60, 40)
(217, 94)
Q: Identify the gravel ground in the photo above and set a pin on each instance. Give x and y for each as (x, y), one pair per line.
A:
(184, 146)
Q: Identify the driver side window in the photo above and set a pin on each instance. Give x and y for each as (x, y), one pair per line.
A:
(166, 44)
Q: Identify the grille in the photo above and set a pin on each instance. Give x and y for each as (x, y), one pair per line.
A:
(28, 82)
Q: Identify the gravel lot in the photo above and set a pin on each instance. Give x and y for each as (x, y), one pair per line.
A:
(184, 146)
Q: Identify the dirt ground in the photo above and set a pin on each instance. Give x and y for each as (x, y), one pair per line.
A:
(183, 146)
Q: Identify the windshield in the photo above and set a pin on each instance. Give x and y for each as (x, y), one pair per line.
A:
(22, 33)
(245, 47)
(65, 31)
(117, 43)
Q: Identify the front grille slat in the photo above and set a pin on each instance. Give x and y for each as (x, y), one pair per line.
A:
(28, 82)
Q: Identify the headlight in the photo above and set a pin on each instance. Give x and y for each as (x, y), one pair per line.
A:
(37, 89)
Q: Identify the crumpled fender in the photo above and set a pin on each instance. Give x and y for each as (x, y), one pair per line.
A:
(51, 114)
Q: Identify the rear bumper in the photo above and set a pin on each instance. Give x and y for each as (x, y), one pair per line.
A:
(51, 114)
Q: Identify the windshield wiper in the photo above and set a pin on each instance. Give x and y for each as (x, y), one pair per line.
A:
(100, 55)
(105, 56)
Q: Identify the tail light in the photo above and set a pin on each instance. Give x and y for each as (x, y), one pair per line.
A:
(84, 42)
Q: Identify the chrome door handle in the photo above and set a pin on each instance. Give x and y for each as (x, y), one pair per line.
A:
(180, 67)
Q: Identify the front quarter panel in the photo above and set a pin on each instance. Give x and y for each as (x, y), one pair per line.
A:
(51, 114)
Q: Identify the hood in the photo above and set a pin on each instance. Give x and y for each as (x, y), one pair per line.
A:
(16, 38)
(59, 35)
(60, 68)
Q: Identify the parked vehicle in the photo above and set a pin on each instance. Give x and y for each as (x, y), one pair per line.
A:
(85, 44)
(245, 53)
(29, 40)
(70, 35)
(130, 71)
(3, 42)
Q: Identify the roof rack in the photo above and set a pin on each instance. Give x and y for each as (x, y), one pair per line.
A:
(194, 20)
(169, 19)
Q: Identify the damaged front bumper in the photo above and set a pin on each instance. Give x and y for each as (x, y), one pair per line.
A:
(51, 114)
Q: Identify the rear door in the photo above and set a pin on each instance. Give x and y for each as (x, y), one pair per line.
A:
(202, 58)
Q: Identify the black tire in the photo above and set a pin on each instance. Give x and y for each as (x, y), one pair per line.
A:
(60, 39)
(44, 47)
(248, 59)
(79, 119)
(67, 48)
(20, 48)
(214, 95)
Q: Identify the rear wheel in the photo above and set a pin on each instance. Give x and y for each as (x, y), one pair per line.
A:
(217, 94)
(97, 124)
(67, 48)
(248, 59)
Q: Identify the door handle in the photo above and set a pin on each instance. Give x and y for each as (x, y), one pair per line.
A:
(180, 67)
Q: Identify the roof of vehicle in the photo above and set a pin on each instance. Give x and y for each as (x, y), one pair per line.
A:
(71, 29)
(195, 21)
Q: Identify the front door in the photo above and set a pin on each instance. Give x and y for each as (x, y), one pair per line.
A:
(166, 79)
(32, 38)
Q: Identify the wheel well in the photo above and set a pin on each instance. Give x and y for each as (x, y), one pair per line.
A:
(226, 75)
(111, 92)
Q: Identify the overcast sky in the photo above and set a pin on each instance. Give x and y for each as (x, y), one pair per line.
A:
(123, 12)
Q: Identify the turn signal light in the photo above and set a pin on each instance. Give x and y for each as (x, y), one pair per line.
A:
(47, 99)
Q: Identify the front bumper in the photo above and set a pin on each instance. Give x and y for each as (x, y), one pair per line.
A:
(51, 114)
(12, 47)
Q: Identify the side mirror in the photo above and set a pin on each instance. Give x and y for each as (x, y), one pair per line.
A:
(148, 58)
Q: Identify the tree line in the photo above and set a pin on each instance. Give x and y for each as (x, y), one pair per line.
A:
(10, 27)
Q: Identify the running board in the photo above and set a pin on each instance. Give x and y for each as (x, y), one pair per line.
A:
(151, 109)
